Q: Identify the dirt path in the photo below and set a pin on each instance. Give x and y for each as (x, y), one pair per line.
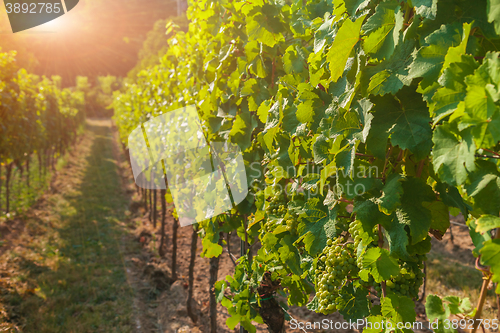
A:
(69, 268)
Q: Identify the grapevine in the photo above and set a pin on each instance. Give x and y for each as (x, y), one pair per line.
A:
(362, 126)
(38, 118)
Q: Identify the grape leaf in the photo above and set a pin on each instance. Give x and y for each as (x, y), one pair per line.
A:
(397, 238)
(490, 256)
(457, 305)
(345, 40)
(353, 6)
(242, 130)
(480, 101)
(210, 249)
(289, 255)
(382, 266)
(426, 8)
(484, 187)
(398, 308)
(324, 35)
(317, 226)
(477, 239)
(453, 91)
(294, 60)
(391, 194)
(452, 155)
(391, 75)
(429, 60)
(263, 110)
(313, 305)
(434, 308)
(266, 29)
(440, 215)
(353, 302)
(494, 13)
(451, 197)
(383, 30)
(410, 213)
(486, 223)
(406, 121)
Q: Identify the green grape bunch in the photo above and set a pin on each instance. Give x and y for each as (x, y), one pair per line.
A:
(277, 205)
(408, 281)
(354, 231)
(336, 266)
(292, 222)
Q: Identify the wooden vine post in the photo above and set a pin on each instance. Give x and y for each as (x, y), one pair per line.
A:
(192, 261)
(214, 270)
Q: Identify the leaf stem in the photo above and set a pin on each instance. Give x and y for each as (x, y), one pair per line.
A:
(492, 152)
(381, 245)
(420, 168)
(487, 156)
(385, 163)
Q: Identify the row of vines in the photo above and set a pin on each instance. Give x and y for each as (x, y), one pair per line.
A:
(363, 125)
(39, 120)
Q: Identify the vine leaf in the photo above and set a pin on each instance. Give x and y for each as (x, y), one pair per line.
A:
(406, 121)
(266, 29)
(384, 28)
(289, 255)
(294, 60)
(447, 99)
(494, 13)
(382, 266)
(353, 6)
(426, 8)
(242, 130)
(345, 40)
(434, 308)
(391, 194)
(429, 60)
(484, 187)
(353, 303)
(490, 256)
(391, 75)
(398, 308)
(440, 215)
(477, 239)
(317, 226)
(481, 111)
(486, 223)
(453, 156)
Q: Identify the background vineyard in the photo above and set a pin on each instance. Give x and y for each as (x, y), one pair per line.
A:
(39, 122)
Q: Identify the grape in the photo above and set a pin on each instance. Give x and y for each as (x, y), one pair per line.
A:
(334, 268)
(408, 281)
(277, 205)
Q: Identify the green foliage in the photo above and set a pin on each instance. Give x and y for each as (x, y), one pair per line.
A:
(36, 114)
(361, 123)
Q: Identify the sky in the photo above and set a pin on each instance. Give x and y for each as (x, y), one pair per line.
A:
(97, 37)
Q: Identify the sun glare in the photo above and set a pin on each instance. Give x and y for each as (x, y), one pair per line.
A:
(58, 25)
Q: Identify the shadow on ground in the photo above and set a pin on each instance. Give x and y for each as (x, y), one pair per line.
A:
(72, 278)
